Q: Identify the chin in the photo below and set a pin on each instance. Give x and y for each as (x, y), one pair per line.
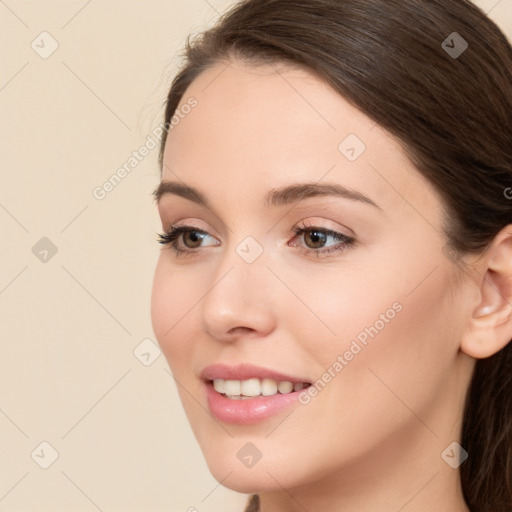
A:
(268, 474)
(245, 481)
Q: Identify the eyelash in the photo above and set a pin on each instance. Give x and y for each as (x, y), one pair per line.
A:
(169, 238)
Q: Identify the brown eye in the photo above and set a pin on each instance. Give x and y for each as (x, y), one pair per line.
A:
(315, 238)
(183, 239)
(195, 238)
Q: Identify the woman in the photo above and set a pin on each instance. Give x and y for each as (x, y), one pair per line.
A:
(334, 294)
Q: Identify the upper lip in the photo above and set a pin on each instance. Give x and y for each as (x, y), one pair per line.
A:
(244, 372)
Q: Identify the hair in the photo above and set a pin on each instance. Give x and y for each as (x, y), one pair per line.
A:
(451, 113)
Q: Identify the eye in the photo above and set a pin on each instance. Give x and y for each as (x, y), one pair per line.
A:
(316, 239)
(192, 238)
(186, 239)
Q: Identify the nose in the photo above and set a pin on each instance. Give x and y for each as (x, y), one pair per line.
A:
(239, 301)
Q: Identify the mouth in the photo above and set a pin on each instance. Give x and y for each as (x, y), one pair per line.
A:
(255, 387)
(245, 394)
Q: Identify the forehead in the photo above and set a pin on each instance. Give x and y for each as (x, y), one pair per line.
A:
(271, 99)
(258, 127)
(265, 116)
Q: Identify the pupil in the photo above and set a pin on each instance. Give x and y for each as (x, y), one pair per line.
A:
(317, 237)
(193, 235)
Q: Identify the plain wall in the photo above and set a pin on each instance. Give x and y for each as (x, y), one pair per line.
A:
(71, 321)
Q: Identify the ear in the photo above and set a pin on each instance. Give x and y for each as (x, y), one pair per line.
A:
(490, 326)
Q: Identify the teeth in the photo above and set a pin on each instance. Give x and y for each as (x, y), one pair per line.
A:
(242, 389)
(285, 387)
(250, 387)
(232, 387)
(219, 386)
(268, 387)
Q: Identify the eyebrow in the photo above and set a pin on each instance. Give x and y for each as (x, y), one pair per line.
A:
(276, 197)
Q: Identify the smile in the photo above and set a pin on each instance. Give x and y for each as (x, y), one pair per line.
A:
(250, 388)
(244, 394)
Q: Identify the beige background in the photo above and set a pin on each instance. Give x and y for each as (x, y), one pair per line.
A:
(70, 324)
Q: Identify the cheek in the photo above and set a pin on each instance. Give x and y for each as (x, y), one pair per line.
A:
(397, 346)
(172, 300)
(334, 306)
(391, 318)
(400, 303)
(159, 299)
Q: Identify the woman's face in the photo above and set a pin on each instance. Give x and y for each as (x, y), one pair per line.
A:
(363, 304)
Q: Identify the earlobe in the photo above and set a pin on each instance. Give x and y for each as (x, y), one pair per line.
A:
(490, 327)
(484, 311)
(496, 296)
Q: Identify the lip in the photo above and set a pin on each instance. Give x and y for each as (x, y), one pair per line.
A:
(244, 372)
(251, 410)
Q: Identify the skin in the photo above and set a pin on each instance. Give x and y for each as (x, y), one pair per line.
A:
(372, 438)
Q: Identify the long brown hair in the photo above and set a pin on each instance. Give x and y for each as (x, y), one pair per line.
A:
(448, 99)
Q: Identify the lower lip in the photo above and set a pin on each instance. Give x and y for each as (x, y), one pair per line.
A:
(251, 410)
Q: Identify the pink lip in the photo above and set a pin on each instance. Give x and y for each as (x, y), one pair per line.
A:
(252, 410)
(244, 372)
